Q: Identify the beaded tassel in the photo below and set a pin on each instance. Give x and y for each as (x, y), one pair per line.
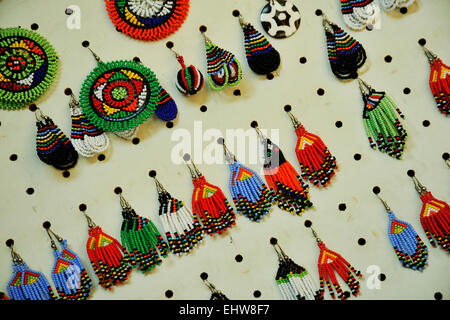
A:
(183, 230)
(27, 284)
(210, 204)
(251, 196)
(346, 55)
(189, 79)
(382, 126)
(359, 13)
(294, 281)
(107, 256)
(409, 248)
(261, 56)
(390, 5)
(290, 192)
(316, 162)
(52, 145)
(141, 239)
(439, 82)
(166, 109)
(223, 67)
(68, 274)
(331, 262)
(434, 216)
(3, 296)
(86, 138)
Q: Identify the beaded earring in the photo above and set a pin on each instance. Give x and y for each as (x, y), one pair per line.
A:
(107, 256)
(280, 18)
(209, 203)
(183, 230)
(52, 145)
(346, 55)
(28, 66)
(290, 192)
(390, 5)
(439, 81)
(294, 281)
(359, 13)
(331, 262)
(250, 195)
(215, 294)
(68, 274)
(27, 284)
(147, 20)
(262, 58)
(140, 239)
(3, 296)
(223, 66)
(86, 138)
(408, 247)
(316, 162)
(189, 80)
(434, 216)
(382, 126)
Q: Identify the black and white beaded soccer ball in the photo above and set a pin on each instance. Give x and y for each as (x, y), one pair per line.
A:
(280, 18)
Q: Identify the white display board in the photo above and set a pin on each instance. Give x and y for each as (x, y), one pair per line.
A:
(56, 198)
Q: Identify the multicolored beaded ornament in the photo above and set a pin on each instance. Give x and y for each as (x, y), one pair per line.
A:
(215, 294)
(390, 5)
(434, 216)
(86, 138)
(69, 275)
(439, 81)
(52, 145)
(183, 230)
(316, 162)
(107, 256)
(294, 281)
(251, 196)
(290, 192)
(331, 262)
(210, 204)
(262, 58)
(27, 284)
(224, 68)
(409, 248)
(189, 79)
(346, 55)
(28, 66)
(382, 126)
(120, 95)
(359, 13)
(141, 239)
(147, 20)
(280, 18)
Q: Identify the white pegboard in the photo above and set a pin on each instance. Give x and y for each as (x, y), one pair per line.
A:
(56, 198)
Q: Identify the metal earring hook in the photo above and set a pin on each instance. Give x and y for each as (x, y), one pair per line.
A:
(364, 87)
(430, 55)
(97, 58)
(294, 120)
(315, 235)
(40, 116)
(91, 223)
(420, 188)
(16, 258)
(229, 156)
(384, 203)
(124, 203)
(207, 40)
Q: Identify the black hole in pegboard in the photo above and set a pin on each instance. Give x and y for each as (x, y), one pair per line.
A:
(403, 10)
(85, 43)
(257, 293)
(342, 207)
(169, 124)
(220, 140)
(254, 124)
(407, 91)
(82, 207)
(438, 296)
(422, 41)
(346, 294)
(303, 60)
(308, 223)
(117, 190)
(445, 156)
(361, 241)
(388, 58)
(269, 76)
(169, 294)
(68, 11)
(203, 28)
(101, 157)
(376, 189)
(186, 157)
(66, 174)
(169, 44)
(135, 140)
(287, 108)
(273, 241)
(32, 107)
(136, 59)
(13, 157)
(46, 224)
(357, 156)
(381, 277)
(30, 190)
(203, 108)
(238, 258)
(237, 92)
(338, 124)
(320, 92)
(34, 26)
(411, 173)
(369, 27)
(318, 12)
(236, 13)
(426, 123)
(67, 91)
(152, 173)
(9, 242)
(204, 276)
